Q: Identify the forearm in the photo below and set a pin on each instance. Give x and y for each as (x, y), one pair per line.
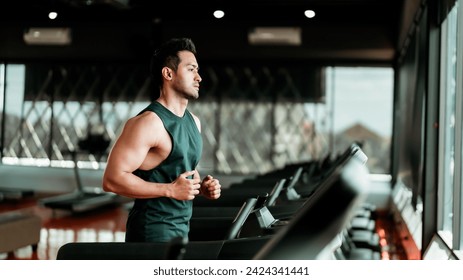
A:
(129, 185)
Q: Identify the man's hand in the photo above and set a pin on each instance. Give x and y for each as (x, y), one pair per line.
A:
(210, 187)
(184, 188)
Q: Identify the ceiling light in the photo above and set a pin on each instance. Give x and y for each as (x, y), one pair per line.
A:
(47, 36)
(309, 13)
(275, 36)
(52, 15)
(219, 14)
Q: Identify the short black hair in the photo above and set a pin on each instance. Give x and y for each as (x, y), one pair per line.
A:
(167, 55)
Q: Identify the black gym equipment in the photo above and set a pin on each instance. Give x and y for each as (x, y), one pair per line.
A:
(83, 199)
(221, 228)
(323, 217)
(231, 211)
(235, 195)
(230, 246)
(235, 249)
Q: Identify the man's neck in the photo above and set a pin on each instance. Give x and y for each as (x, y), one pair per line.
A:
(175, 105)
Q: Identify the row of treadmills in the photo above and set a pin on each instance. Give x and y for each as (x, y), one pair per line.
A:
(312, 210)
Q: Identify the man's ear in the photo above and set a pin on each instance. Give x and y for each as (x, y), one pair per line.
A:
(167, 73)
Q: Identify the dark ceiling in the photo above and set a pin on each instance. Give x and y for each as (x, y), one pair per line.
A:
(343, 31)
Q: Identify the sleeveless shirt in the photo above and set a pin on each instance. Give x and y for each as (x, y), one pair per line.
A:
(161, 219)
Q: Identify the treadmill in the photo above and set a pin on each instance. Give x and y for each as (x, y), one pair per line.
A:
(84, 199)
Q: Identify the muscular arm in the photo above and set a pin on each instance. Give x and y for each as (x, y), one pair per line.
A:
(140, 136)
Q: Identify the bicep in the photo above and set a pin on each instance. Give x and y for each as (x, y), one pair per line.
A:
(126, 155)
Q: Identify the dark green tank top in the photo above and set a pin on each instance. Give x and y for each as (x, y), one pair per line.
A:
(161, 219)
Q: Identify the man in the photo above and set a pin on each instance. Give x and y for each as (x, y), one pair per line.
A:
(154, 159)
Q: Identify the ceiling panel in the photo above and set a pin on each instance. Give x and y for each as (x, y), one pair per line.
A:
(359, 31)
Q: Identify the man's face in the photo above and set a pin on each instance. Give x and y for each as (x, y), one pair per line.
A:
(186, 78)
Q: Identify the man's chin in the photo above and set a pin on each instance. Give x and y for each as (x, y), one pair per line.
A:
(193, 96)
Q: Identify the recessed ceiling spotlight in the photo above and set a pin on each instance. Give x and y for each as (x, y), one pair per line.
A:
(219, 14)
(309, 13)
(52, 15)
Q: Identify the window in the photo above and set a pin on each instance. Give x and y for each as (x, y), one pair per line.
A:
(451, 132)
(361, 105)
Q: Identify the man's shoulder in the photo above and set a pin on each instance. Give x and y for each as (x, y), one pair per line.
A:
(145, 119)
